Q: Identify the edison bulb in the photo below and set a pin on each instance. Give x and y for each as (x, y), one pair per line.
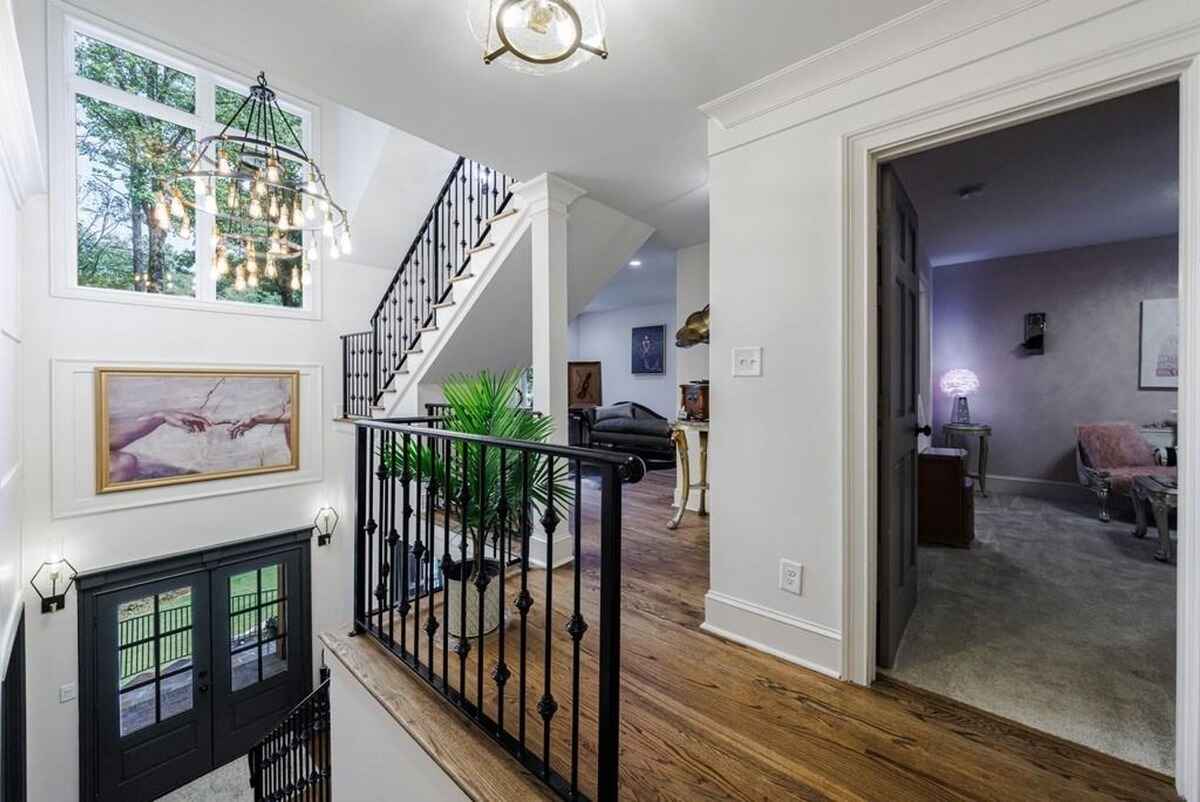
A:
(347, 245)
(327, 229)
(272, 172)
(223, 166)
(306, 277)
(255, 209)
(260, 188)
(295, 280)
(334, 253)
(272, 271)
(309, 212)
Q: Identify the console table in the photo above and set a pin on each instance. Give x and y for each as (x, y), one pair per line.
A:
(965, 430)
(1162, 496)
(679, 430)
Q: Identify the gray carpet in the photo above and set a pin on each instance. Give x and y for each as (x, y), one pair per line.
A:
(230, 783)
(1055, 620)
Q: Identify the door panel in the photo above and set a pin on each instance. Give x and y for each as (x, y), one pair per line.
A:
(898, 299)
(258, 631)
(155, 721)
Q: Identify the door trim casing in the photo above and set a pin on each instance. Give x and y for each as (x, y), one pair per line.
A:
(1061, 88)
(119, 577)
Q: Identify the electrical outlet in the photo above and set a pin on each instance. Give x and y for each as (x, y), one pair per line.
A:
(747, 361)
(791, 577)
(66, 693)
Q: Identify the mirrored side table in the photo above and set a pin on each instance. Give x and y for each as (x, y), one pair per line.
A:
(965, 430)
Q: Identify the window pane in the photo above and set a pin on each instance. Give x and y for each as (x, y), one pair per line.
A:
(228, 103)
(244, 667)
(135, 638)
(121, 157)
(274, 658)
(120, 69)
(137, 709)
(176, 692)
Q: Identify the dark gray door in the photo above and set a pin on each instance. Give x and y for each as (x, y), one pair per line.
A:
(153, 677)
(898, 304)
(260, 669)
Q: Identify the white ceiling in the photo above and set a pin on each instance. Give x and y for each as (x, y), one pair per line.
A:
(627, 130)
(1102, 173)
(653, 282)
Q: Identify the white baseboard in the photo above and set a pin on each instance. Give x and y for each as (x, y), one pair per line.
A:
(564, 546)
(805, 643)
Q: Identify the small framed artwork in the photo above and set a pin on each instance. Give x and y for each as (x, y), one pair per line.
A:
(1159, 344)
(165, 427)
(583, 385)
(647, 350)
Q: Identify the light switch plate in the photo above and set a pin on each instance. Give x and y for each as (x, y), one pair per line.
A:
(748, 360)
(66, 693)
(791, 577)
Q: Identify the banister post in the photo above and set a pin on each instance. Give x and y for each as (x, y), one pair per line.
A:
(374, 362)
(609, 741)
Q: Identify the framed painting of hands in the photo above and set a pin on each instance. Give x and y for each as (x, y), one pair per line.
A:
(164, 427)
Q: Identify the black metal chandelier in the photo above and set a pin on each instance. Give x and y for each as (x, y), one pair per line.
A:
(268, 199)
(539, 36)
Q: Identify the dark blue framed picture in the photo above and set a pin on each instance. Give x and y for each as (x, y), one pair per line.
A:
(647, 350)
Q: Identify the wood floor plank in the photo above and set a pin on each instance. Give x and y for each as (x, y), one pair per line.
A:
(706, 719)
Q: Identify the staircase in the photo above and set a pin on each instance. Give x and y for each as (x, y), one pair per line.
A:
(443, 269)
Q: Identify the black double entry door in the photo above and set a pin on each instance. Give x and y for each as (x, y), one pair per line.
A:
(189, 671)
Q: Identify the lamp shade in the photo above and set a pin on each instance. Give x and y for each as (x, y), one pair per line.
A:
(959, 382)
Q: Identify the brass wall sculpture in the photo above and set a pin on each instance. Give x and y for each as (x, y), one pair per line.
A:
(694, 331)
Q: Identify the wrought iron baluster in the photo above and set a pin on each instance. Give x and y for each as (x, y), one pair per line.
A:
(500, 672)
(392, 538)
(481, 575)
(386, 440)
(576, 627)
(463, 644)
(447, 500)
(418, 551)
(368, 589)
(547, 706)
(405, 517)
(524, 600)
(431, 622)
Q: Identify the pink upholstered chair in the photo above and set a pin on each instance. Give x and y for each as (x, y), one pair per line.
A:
(1109, 455)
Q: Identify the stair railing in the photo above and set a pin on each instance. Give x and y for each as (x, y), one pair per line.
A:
(456, 225)
(426, 500)
(292, 761)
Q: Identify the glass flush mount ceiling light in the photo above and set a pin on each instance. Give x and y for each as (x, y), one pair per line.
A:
(540, 37)
(268, 200)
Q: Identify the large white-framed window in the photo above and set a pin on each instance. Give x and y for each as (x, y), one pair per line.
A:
(124, 112)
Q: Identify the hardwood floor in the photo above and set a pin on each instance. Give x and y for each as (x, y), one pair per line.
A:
(706, 719)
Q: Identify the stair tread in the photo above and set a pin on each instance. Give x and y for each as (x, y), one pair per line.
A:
(485, 246)
(444, 305)
(424, 329)
(463, 277)
(506, 213)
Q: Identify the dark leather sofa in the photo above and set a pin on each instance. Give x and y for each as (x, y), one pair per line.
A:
(630, 427)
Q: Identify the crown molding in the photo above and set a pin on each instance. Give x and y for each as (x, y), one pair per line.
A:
(20, 156)
(936, 38)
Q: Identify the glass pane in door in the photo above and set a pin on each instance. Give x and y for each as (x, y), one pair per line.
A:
(257, 625)
(154, 658)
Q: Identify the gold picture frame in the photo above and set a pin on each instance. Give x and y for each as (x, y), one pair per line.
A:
(163, 426)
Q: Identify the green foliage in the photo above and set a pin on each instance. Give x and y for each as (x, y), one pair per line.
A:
(122, 157)
(485, 405)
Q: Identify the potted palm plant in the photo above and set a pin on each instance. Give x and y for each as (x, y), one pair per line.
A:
(484, 404)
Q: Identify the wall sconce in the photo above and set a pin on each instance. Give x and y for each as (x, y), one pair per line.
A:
(325, 522)
(1035, 333)
(59, 574)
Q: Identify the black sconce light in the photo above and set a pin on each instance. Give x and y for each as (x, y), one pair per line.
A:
(1035, 333)
(325, 522)
(54, 570)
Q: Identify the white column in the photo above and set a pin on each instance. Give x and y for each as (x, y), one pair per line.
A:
(547, 199)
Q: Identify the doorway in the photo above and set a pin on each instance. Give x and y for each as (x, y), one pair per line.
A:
(1001, 583)
(186, 662)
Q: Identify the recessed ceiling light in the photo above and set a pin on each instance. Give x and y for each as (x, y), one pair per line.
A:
(635, 263)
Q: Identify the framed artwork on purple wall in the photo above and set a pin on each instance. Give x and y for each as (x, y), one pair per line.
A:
(1159, 341)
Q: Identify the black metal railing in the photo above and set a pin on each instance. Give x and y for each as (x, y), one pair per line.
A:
(292, 762)
(358, 357)
(434, 498)
(458, 222)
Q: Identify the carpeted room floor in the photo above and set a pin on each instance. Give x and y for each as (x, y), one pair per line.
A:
(1055, 620)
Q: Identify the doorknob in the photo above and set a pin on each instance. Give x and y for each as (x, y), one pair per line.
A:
(202, 687)
(926, 430)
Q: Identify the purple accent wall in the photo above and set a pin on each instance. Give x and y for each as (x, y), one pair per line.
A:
(1092, 298)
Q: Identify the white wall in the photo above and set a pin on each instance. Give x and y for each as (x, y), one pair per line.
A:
(64, 336)
(21, 182)
(778, 185)
(607, 337)
(379, 753)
